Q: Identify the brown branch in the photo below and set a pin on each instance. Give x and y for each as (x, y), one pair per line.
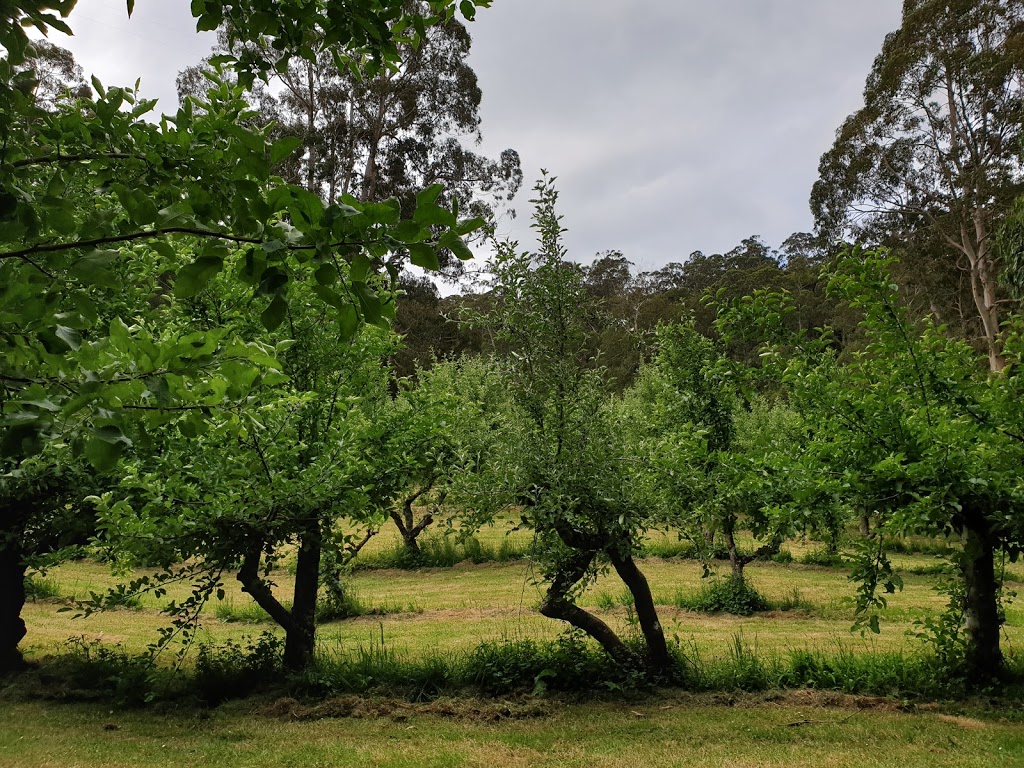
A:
(56, 247)
(252, 584)
(45, 160)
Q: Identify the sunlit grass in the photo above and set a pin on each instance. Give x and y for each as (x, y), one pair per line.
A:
(455, 609)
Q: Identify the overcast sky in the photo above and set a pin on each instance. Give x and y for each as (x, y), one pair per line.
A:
(672, 126)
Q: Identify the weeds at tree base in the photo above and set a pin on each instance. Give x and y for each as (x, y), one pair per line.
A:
(570, 664)
(824, 557)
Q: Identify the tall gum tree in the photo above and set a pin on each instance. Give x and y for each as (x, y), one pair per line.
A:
(388, 133)
(935, 150)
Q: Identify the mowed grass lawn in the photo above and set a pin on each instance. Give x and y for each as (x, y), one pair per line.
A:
(795, 731)
(453, 610)
(450, 611)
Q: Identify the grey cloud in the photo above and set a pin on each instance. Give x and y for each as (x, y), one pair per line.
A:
(672, 125)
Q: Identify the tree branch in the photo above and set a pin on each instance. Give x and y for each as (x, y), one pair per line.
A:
(133, 236)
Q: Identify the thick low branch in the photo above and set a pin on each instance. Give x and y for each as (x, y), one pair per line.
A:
(557, 605)
(257, 588)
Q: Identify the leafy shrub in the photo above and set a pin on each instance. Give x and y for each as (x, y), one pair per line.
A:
(443, 552)
(880, 674)
(783, 556)
(570, 663)
(728, 595)
(131, 680)
(236, 669)
(824, 557)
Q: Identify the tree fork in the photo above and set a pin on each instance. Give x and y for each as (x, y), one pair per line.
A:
(557, 605)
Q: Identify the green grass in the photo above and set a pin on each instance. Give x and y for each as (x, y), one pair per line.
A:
(796, 731)
(382, 692)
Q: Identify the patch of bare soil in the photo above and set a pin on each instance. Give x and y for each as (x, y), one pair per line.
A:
(470, 710)
(964, 722)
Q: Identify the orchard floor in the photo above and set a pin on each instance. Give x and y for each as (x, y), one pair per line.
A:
(450, 611)
(795, 730)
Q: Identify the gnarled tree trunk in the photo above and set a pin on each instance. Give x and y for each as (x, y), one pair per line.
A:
(658, 659)
(557, 605)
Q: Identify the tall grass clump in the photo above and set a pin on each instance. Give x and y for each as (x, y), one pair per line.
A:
(442, 551)
(379, 668)
(39, 588)
(724, 595)
(238, 669)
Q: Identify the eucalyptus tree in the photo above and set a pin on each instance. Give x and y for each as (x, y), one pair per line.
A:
(575, 476)
(386, 133)
(932, 158)
(82, 274)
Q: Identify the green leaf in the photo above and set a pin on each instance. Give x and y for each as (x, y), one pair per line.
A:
(424, 256)
(94, 267)
(284, 147)
(429, 195)
(348, 322)
(470, 225)
(326, 274)
(359, 268)
(454, 243)
(369, 302)
(274, 314)
(69, 336)
(193, 278)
